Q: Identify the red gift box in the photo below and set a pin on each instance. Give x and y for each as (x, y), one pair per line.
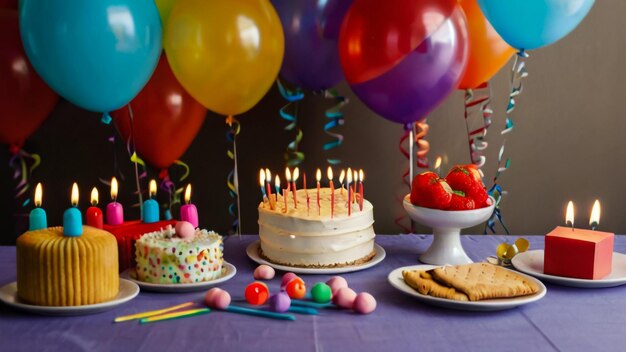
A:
(578, 253)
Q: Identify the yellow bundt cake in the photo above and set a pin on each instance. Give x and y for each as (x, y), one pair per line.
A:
(57, 270)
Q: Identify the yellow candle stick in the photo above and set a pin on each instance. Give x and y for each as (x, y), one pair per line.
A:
(175, 315)
(151, 313)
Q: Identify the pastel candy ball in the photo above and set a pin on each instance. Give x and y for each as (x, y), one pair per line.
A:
(221, 300)
(185, 230)
(280, 302)
(364, 303)
(344, 298)
(335, 283)
(296, 289)
(321, 293)
(286, 278)
(264, 272)
(257, 293)
(209, 298)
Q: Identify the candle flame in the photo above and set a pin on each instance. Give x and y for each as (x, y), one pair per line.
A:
(355, 175)
(361, 175)
(437, 162)
(296, 174)
(188, 193)
(74, 194)
(152, 188)
(349, 176)
(594, 219)
(277, 182)
(262, 177)
(268, 175)
(287, 174)
(94, 196)
(329, 173)
(38, 194)
(569, 214)
(113, 188)
(318, 175)
(342, 176)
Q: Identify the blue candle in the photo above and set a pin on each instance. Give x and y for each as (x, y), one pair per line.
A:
(72, 218)
(150, 206)
(37, 219)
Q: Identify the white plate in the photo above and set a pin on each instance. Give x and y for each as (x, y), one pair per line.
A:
(253, 253)
(396, 280)
(531, 263)
(128, 291)
(229, 271)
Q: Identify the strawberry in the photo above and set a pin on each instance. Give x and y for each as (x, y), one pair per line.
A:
(461, 202)
(466, 178)
(430, 191)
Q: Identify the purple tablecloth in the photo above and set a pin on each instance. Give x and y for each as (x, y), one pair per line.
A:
(566, 319)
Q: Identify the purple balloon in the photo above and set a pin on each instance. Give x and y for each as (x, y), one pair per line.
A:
(420, 81)
(311, 28)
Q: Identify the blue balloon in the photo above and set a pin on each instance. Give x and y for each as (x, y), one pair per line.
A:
(531, 24)
(98, 54)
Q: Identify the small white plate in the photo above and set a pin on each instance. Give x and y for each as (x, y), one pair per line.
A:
(396, 280)
(531, 263)
(253, 253)
(228, 270)
(128, 291)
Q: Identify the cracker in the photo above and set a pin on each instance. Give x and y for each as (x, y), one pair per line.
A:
(484, 281)
(423, 283)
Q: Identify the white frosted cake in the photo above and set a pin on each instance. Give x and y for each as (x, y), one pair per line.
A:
(308, 238)
(165, 258)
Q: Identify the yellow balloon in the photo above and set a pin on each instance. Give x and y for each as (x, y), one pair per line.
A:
(165, 7)
(226, 54)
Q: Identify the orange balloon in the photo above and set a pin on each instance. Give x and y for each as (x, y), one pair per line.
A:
(487, 51)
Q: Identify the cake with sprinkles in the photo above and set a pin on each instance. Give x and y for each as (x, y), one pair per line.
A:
(179, 255)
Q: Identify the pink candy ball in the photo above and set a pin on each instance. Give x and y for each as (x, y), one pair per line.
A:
(336, 283)
(364, 303)
(286, 278)
(264, 272)
(344, 298)
(185, 230)
(217, 298)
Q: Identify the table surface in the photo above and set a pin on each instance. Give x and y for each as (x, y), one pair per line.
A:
(568, 319)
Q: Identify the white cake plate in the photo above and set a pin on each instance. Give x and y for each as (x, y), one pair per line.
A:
(253, 253)
(128, 291)
(531, 263)
(397, 281)
(446, 224)
(228, 273)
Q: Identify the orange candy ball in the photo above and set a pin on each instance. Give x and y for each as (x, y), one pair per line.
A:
(296, 289)
(257, 293)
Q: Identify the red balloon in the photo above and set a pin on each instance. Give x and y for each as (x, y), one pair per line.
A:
(8, 4)
(374, 43)
(25, 100)
(166, 118)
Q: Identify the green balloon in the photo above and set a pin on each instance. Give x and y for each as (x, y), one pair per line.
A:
(321, 293)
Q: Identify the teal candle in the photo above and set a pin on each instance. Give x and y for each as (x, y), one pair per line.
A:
(37, 219)
(72, 218)
(150, 212)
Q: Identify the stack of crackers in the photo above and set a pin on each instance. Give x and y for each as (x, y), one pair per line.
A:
(470, 282)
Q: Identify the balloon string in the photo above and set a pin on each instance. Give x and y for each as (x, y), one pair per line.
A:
(474, 104)
(423, 146)
(336, 118)
(22, 171)
(136, 160)
(518, 73)
(232, 182)
(292, 155)
(106, 119)
(400, 220)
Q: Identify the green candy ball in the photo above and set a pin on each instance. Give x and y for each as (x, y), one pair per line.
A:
(321, 293)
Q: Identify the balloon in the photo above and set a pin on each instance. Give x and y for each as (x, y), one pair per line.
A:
(488, 53)
(166, 119)
(8, 4)
(96, 54)
(225, 53)
(165, 8)
(403, 57)
(25, 99)
(532, 24)
(311, 35)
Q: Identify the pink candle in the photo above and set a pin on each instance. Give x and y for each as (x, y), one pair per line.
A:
(349, 180)
(115, 210)
(329, 173)
(288, 179)
(306, 192)
(361, 190)
(318, 176)
(268, 188)
(296, 174)
(189, 212)
(94, 214)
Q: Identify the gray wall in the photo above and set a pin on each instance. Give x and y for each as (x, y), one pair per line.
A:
(567, 144)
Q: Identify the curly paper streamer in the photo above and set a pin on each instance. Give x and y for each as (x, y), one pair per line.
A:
(232, 181)
(423, 146)
(292, 155)
(167, 185)
(106, 118)
(135, 160)
(476, 137)
(400, 220)
(22, 171)
(336, 118)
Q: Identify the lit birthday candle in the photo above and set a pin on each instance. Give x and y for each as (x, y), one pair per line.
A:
(288, 179)
(594, 219)
(94, 214)
(277, 187)
(361, 176)
(329, 173)
(150, 206)
(189, 212)
(262, 184)
(349, 186)
(268, 187)
(37, 219)
(114, 210)
(306, 193)
(318, 177)
(296, 175)
(342, 176)
(355, 177)
(72, 218)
